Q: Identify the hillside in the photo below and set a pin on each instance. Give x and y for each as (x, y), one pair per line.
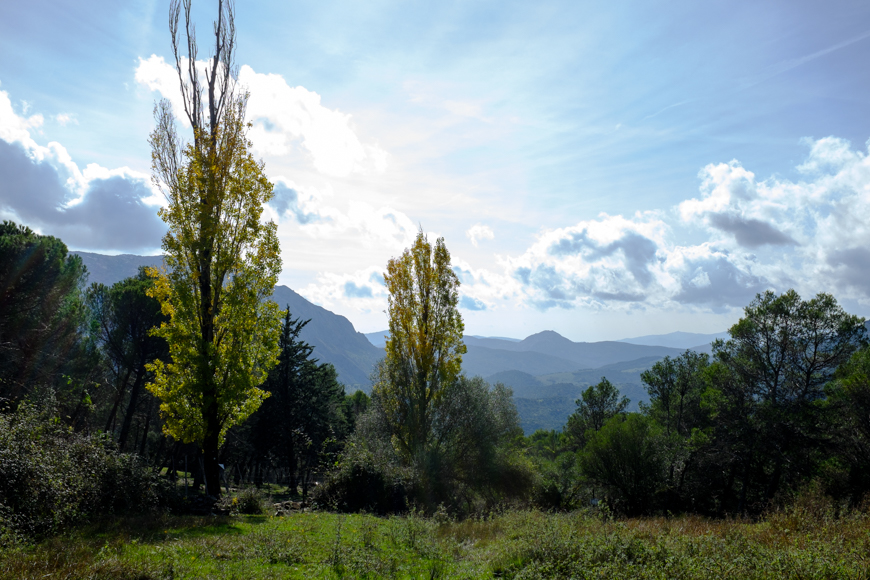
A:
(681, 340)
(546, 401)
(110, 269)
(333, 337)
(483, 361)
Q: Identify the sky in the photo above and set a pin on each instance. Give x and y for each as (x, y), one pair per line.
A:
(601, 169)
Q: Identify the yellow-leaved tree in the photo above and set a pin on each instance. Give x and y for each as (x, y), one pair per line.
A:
(222, 261)
(424, 351)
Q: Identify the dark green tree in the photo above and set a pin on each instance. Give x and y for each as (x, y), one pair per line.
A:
(849, 409)
(595, 407)
(768, 399)
(676, 389)
(625, 456)
(41, 314)
(473, 456)
(305, 411)
(124, 316)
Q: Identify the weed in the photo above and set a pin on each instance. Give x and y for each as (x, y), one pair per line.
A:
(794, 543)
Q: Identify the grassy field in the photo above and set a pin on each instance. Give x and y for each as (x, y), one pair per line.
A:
(521, 544)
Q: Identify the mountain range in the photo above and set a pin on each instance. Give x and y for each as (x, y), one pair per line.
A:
(333, 337)
(546, 370)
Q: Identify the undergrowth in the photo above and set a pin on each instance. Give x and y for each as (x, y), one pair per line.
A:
(790, 543)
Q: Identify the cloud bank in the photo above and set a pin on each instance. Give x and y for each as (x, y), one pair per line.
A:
(284, 118)
(93, 209)
(810, 234)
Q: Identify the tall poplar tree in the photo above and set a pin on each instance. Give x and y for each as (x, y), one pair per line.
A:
(424, 352)
(222, 261)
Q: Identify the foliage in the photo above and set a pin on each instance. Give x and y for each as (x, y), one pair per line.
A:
(471, 464)
(596, 405)
(676, 389)
(124, 316)
(848, 406)
(305, 410)
(355, 405)
(248, 501)
(52, 477)
(430, 435)
(767, 396)
(558, 481)
(626, 456)
(222, 260)
(41, 313)
(424, 350)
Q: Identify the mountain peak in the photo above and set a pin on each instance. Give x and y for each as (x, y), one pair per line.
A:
(546, 336)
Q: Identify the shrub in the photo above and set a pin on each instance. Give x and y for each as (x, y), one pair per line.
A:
(469, 464)
(52, 477)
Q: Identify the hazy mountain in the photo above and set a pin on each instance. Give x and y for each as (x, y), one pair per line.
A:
(546, 401)
(490, 342)
(583, 355)
(546, 353)
(492, 338)
(517, 380)
(378, 339)
(110, 269)
(334, 340)
(682, 340)
(551, 413)
(479, 360)
(333, 337)
(704, 348)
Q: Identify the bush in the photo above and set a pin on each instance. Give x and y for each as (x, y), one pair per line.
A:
(52, 477)
(471, 462)
(249, 501)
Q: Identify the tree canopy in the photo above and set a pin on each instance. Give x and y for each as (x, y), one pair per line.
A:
(41, 312)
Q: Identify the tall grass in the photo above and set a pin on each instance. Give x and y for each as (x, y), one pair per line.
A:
(799, 542)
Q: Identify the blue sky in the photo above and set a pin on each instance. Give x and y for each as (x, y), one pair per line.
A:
(600, 169)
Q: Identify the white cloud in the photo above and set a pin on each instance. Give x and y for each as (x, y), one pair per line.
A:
(735, 207)
(362, 290)
(282, 117)
(64, 119)
(98, 208)
(359, 224)
(479, 232)
(611, 259)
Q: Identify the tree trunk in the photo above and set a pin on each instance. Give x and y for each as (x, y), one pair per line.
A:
(145, 430)
(131, 408)
(122, 389)
(210, 451)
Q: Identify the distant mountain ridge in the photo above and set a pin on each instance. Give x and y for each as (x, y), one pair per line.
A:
(546, 401)
(333, 337)
(110, 269)
(682, 340)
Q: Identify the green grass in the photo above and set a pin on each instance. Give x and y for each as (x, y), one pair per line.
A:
(520, 544)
